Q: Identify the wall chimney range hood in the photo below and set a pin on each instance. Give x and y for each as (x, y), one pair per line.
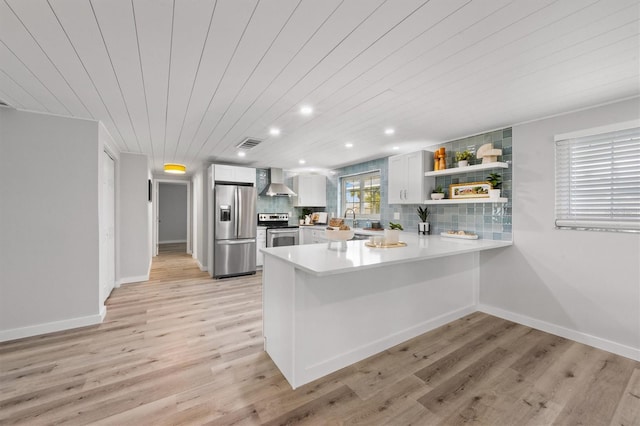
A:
(276, 186)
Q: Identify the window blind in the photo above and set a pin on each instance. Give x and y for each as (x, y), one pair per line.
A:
(598, 181)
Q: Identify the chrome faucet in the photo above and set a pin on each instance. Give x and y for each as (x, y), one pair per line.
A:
(355, 222)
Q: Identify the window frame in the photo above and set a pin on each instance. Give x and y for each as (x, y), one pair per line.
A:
(580, 205)
(341, 193)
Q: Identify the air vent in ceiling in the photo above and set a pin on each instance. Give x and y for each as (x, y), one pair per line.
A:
(249, 143)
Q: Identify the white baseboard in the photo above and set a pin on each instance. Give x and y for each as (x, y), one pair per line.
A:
(51, 327)
(128, 280)
(172, 241)
(202, 268)
(587, 339)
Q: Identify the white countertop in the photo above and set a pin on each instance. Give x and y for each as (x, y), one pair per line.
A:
(327, 259)
(360, 231)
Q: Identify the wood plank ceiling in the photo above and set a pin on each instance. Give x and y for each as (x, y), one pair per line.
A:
(187, 80)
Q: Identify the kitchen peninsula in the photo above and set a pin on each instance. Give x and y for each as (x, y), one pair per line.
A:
(327, 306)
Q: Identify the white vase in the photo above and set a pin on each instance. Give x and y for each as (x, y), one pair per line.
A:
(463, 163)
(423, 228)
(391, 236)
(494, 194)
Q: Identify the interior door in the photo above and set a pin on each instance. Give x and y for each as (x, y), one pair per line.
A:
(107, 228)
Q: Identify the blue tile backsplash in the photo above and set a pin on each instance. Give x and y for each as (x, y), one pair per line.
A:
(490, 221)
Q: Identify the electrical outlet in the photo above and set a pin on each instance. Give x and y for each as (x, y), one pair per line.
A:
(396, 215)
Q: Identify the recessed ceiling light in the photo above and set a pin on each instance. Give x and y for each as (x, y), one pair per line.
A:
(301, 161)
(348, 145)
(274, 131)
(241, 154)
(395, 148)
(389, 131)
(306, 110)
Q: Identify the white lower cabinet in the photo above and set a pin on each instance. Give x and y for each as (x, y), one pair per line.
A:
(309, 235)
(305, 236)
(261, 242)
(318, 236)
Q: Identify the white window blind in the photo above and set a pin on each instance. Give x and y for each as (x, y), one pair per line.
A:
(598, 181)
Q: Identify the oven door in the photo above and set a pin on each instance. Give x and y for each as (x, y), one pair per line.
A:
(278, 237)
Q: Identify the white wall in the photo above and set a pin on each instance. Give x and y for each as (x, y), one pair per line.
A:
(49, 215)
(580, 284)
(135, 219)
(199, 237)
(172, 210)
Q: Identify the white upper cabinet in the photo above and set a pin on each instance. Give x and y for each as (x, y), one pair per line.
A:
(226, 173)
(407, 183)
(311, 190)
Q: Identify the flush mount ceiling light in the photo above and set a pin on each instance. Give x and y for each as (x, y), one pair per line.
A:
(348, 145)
(175, 168)
(302, 161)
(274, 131)
(395, 148)
(241, 154)
(306, 110)
(389, 131)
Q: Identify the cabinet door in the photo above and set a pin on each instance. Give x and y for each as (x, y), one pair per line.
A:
(311, 190)
(318, 191)
(397, 179)
(261, 242)
(304, 236)
(224, 173)
(245, 174)
(415, 178)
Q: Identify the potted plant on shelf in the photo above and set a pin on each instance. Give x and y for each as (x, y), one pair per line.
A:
(423, 225)
(463, 158)
(305, 217)
(495, 180)
(438, 193)
(392, 235)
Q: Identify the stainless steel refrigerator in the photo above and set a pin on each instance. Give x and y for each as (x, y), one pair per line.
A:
(235, 229)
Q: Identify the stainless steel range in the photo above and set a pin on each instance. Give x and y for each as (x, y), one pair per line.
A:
(279, 232)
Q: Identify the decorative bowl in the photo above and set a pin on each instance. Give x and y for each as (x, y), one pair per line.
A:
(437, 196)
(337, 235)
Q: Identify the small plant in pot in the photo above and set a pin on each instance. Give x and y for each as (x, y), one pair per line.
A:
(463, 158)
(423, 225)
(437, 193)
(495, 180)
(305, 217)
(392, 235)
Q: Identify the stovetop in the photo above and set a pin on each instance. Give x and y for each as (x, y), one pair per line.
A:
(274, 220)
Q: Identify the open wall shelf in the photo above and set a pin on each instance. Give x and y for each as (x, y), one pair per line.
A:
(468, 169)
(466, 201)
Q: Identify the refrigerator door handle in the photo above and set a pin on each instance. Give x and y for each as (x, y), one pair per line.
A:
(236, 216)
(234, 242)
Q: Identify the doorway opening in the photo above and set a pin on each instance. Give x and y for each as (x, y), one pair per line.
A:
(173, 218)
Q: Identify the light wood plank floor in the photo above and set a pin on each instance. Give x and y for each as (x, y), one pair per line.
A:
(185, 349)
